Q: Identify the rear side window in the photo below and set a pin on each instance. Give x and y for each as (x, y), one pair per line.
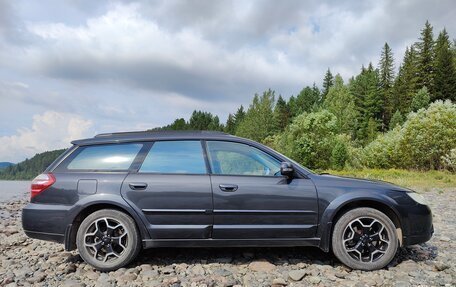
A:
(183, 157)
(105, 157)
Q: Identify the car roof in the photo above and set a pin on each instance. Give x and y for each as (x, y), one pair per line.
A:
(119, 137)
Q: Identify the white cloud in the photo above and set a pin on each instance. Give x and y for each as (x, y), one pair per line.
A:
(50, 130)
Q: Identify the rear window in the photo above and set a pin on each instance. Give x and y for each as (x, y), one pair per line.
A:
(184, 157)
(105, 157)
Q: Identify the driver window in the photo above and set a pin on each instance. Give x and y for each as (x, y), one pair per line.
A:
(229, 158)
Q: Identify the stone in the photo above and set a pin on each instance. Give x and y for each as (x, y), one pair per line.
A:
(279, 282)
(198, 270)
(314, 279)
(297, 275)
(72, 283)
(440, 266)
(261, 266)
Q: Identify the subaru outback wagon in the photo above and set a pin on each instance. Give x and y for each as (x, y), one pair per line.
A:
(112, 195)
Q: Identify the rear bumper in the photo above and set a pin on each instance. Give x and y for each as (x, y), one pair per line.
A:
(45, 221)
(418, 227)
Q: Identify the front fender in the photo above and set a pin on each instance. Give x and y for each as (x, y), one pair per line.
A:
(329, 214)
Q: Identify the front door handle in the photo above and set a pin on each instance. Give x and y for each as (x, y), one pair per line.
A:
(228, 187)
(137, 185)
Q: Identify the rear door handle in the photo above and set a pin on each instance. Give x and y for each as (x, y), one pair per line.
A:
(137, 185)
(228, 187)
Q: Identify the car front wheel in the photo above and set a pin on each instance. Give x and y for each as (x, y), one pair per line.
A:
(365, 239)
(108, 239)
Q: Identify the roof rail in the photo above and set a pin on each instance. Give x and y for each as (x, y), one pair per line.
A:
(157, 132)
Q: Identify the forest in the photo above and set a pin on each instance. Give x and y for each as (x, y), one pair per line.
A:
(384, 117)
(376, 119)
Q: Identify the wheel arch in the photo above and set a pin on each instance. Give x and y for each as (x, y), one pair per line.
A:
(72, 228)
(332, 214)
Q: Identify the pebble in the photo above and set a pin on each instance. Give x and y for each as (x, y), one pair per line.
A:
(297, 275)
(30, 262)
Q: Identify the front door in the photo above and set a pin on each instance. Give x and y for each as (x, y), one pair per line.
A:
(253, 200)
(172, 190)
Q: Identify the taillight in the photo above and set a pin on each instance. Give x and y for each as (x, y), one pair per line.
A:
(41, 183)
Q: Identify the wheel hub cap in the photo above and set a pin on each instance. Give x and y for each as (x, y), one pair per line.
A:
(366, 239)
(106, 239)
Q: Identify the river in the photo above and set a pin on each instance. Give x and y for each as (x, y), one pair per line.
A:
(10, 189)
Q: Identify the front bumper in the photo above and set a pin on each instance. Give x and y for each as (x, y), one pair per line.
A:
(417, 226)
(45, 221)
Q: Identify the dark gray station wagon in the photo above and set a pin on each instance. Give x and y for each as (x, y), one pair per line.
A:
(114, 194)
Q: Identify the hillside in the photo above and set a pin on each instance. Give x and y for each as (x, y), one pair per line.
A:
(5, 164)
(30, 168)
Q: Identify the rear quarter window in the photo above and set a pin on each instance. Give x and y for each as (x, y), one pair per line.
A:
(104, 157)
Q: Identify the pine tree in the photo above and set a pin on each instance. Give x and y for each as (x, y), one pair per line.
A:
(426, 67)
(368, 100)
(306, 100)
(445, 69)
(405, 86)
(328, 82)
(239, 116)
(386, 81)
(230, 126)
(396, 120)
(281, 115)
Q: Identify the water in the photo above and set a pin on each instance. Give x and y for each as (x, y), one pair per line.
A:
(10, 189)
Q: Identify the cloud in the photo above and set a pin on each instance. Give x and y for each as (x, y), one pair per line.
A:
(50, 130)
(140, 64)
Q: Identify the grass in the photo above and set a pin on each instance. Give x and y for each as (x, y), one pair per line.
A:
(421, 180)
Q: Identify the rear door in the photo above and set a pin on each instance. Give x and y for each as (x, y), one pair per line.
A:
(172, 190)
(253, 200)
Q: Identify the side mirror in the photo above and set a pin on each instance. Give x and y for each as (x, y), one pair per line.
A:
(286, 169)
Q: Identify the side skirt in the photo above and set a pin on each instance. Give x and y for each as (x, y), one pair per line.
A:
(150, 243)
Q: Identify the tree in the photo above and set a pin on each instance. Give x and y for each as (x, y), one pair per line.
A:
(341, 103)
(421, 100)
(281, 115)
(406, 83)
(426, 67)
(306, 100)
(386, 82)
(239, 116)
(396, 120)
(230, 126)
(258, 122)
(179, 124)
(368, 100)
(204, 121)
(445, 69)
(328, 82)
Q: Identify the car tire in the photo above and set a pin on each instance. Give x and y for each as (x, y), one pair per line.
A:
(108, 239)
(365, 239)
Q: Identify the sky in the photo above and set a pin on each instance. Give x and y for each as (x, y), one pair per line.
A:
(72, 69)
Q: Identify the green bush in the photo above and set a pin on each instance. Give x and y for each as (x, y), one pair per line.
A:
(310, 138)
(427, 135)
(339, 155)
(420, 143)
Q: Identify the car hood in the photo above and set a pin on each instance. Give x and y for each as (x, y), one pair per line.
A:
(361, 183)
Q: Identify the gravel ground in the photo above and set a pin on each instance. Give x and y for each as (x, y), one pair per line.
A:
(27, 262)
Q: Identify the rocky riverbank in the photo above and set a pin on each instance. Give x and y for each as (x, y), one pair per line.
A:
(29, 262)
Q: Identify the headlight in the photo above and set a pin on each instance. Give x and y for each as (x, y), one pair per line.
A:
(417, 198)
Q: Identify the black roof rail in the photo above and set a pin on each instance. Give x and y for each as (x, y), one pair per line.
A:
(152, 132)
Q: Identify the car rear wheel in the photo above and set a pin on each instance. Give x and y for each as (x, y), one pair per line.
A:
(365, 239)
(108, 239)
